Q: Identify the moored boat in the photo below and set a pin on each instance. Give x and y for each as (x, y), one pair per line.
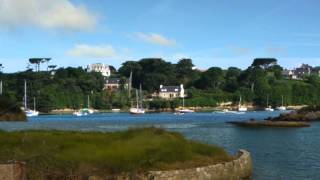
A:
(185, 110)
(29, 112)
(240, 107)
(282, 107)
(139, 106)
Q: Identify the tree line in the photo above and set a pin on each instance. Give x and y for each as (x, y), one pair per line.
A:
(70, 87)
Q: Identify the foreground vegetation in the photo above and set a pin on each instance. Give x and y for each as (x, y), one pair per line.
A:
(96, 153)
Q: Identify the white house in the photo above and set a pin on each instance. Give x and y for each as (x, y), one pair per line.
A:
(303, 71)
(99, 67)
(170, 92)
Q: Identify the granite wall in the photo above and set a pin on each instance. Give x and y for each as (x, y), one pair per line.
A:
(240, 168)
(13, 171)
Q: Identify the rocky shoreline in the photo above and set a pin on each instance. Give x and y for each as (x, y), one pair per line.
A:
(13, 117)
(294, 119)
(267, 123)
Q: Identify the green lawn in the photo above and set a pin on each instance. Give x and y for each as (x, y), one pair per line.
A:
(88, 153)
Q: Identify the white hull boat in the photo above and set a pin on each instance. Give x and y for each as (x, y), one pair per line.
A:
(80, 113)
(31, 113)
(226, 111)
(137, 111)
(281, 108)
(186, 111)
(269, 109)
(115, 110)
(139, 107)
(242, 109)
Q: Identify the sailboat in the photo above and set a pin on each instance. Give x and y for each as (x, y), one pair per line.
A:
(139, 106)
(29, 112)
(185, 110)
(79, 113)
(240, 107)
(268, 108)
(88, 109)
(282, 107)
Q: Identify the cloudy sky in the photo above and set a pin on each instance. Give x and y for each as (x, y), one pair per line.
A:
(211, 32)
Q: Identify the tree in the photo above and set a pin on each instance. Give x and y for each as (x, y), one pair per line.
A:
(212, 78)
(251, 75)
(184, 67)
(113, 70)
(264, 62)
(150, 72)
(276, 70)
(232, 76)
(38, 61)
(1, 67)
(47, 61)
(52, 67)
(184, 72)
(132, 67)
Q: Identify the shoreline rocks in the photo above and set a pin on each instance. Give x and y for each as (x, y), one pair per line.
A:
(268, 123)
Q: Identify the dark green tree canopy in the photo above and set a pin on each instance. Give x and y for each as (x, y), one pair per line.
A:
(264, 62)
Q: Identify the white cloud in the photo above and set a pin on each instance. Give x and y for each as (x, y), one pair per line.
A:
(51, 14)
(89, 51)
(155, 38)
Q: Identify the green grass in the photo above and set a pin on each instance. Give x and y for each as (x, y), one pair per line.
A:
(88, 153)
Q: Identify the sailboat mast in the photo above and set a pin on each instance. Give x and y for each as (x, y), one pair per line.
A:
(34, 103)
(141, 96)
(182, 102)
(25, 94)
(130, 85)
(137, 98)
(240, 101)
(88, 102)
(1, 88)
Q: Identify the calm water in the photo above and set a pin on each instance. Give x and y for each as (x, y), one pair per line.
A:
(277, 153)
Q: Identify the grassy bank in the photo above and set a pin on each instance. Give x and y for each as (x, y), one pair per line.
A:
(88, 153)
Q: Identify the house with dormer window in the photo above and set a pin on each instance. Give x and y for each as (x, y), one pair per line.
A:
(171, 92)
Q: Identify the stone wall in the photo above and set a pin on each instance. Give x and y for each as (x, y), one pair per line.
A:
(13, 171)
(240, 168)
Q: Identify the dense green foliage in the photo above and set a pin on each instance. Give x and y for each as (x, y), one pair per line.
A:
(66, 88)
(71, 153)
(208, 88)
(10, 110)
(69, 87)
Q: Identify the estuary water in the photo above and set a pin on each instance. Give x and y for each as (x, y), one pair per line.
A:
(277, 153)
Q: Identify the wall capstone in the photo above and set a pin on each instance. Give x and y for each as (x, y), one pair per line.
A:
(13, 171)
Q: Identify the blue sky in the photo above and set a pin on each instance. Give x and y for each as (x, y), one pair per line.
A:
(211, 32)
